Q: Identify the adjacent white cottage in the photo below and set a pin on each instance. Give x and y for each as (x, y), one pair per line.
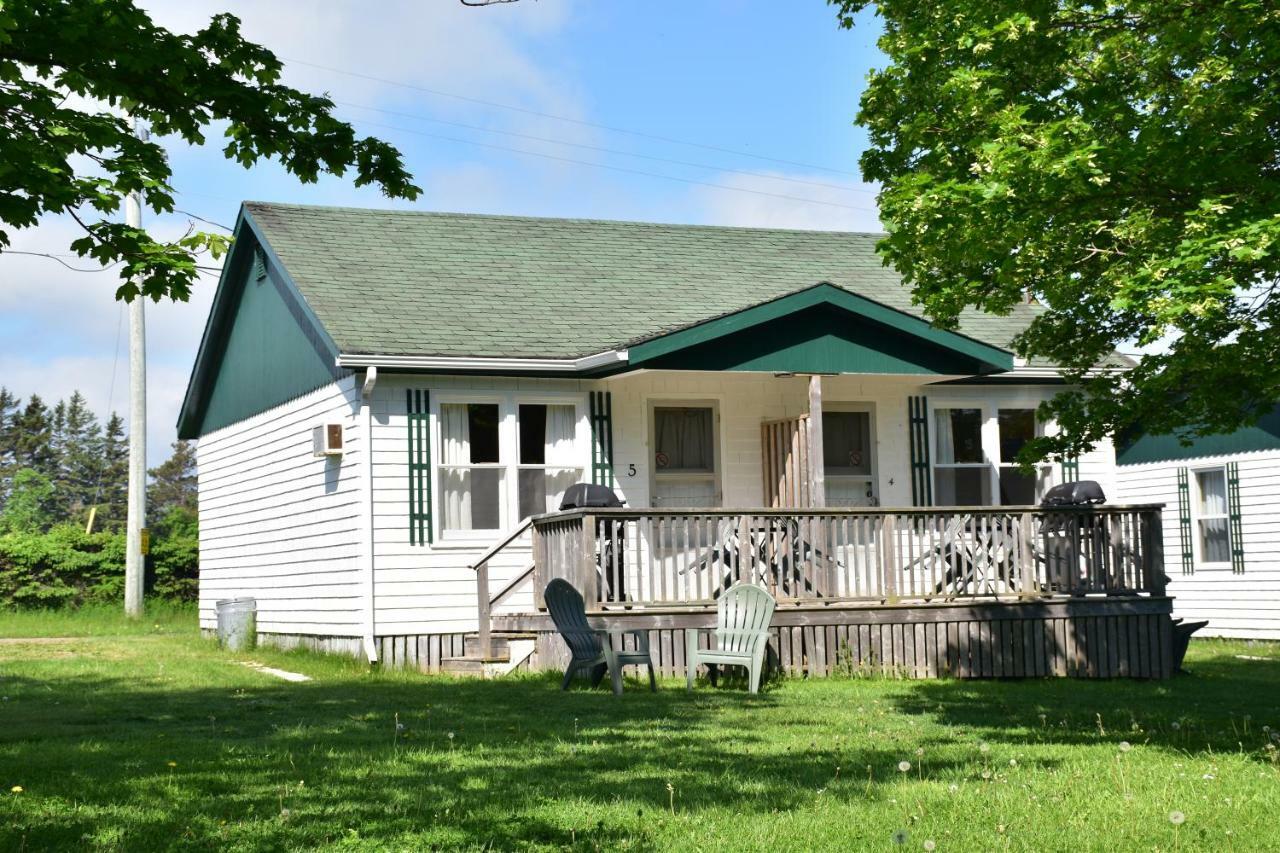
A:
(383, 400)
(1225, 549)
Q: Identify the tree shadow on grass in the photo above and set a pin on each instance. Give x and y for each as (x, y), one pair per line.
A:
(506, 764)
(1220, 703)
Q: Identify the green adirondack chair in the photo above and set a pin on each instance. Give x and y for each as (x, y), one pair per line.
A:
(742, 634)
(593, 649)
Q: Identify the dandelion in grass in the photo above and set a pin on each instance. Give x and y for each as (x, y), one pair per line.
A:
(953, 787)
(929, 845)
(900, 837)
(284, 814)
(17, 789)
(1177, 818)
(173, 763)
(1175, 725)
(986, 774)
(1013, 762)
(1125, 746)
(904, 766)
(919, 752)
(984, 747)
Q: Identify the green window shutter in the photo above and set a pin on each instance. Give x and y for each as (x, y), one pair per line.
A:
(918, 432)
(1233, 516)
(259, 266)
(1184, 522)
(418, 404)
(1070, 469)
(602, 438)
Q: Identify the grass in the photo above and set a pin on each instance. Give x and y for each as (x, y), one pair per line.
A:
(156, 739)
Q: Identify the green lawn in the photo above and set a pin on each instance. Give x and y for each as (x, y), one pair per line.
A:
(157, 739)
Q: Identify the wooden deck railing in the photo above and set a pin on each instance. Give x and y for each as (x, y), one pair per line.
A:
(628, 558)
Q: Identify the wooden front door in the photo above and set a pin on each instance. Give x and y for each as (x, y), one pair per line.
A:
(787, 462)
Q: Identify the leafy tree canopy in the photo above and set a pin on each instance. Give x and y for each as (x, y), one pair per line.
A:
(1119, 161)
(68, 68)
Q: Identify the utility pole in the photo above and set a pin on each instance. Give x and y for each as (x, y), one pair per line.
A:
(137, 517)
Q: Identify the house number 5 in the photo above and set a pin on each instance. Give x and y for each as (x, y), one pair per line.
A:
(631, 470)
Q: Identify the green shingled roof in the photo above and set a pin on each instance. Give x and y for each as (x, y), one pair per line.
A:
(438, 284)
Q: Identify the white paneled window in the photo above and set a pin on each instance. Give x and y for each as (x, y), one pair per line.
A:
(1213, 537)
(504, 458)
(961, 471)
(1016, 428)
(548, 456)
(471, 469)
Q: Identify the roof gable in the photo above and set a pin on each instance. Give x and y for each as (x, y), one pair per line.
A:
(1167, 447)
(262, 346)
(821, 329)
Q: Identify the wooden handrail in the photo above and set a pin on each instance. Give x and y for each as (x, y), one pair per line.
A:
(777, 512)
(512, 585)
(503, 542)
(484, 603)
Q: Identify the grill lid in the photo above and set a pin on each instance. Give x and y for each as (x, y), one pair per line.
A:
(585, 495)
(1076, 493)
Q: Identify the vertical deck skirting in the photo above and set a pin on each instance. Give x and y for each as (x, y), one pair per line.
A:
(1093, 638)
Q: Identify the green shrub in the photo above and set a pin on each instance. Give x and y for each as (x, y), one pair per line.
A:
(68, 567)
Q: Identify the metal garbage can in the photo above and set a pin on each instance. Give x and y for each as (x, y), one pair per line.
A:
(237, 623)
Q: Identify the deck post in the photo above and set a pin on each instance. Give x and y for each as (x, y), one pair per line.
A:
(586, 566)
(817, 477)
(482, 610)
(889, 557)
(1026, 557)
(1155, 552)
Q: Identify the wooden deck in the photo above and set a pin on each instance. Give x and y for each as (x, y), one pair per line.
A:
(961, 592)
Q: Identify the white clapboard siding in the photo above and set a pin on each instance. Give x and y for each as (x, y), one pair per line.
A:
(279, 524)
(1236, 605)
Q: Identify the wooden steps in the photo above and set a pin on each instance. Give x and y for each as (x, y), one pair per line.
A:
(508, 650)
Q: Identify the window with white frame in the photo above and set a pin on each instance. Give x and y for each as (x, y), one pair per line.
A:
(503, 460)
(684, 456)
(1213, 537)
(1016, 428)
(961, 472)
(471, 466)
(548, 456)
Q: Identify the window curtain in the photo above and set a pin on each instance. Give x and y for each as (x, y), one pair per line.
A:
(562, 428)
(455, 484)
(685, 436)
(946, 454)
(1213, 493)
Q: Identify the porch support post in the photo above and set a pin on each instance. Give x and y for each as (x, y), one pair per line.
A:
(817, 481)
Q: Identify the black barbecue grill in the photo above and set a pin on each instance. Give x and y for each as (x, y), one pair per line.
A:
(592, 496)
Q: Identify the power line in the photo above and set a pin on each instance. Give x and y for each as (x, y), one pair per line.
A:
(603, 150)
(610, 128)
(623, 169)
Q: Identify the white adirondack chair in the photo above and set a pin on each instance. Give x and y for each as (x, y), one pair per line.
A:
(742, 634)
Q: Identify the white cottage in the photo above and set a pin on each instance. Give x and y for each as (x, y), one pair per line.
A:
(389, 406)
(1225, 549)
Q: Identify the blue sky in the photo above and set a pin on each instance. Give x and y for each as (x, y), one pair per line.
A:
(768, 92)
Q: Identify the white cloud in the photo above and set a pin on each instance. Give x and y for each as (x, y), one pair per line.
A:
(847, 204)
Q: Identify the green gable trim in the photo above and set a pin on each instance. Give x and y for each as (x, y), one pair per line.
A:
(822, 329)
(262, 346)
(1264, 435)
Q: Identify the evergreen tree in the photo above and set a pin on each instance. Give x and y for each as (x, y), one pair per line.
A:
(33, 438)
(9, 405)
(112, 491)
(81, 459)
(173, 483)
